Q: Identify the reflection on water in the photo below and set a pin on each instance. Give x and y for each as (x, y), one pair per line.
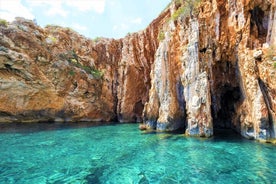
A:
(84, 153)
(46, 126)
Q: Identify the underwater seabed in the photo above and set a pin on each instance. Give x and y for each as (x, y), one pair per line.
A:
(81, 153)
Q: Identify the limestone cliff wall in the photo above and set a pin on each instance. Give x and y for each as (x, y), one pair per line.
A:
(214, 69)
(200, 65)
(55, 74)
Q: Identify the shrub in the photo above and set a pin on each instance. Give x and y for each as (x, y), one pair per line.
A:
(180, 11)
(188, 8)
(3, 23)
(161, 35)
(51, 39)
(97, 73)
(87, 69)
(72, 58)
(71, 72)
(274, 65)
(97, 39)
(178, 2)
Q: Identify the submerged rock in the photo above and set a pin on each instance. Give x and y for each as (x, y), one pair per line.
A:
(143, 127)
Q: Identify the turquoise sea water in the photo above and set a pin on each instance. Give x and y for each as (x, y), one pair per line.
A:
(51, 153)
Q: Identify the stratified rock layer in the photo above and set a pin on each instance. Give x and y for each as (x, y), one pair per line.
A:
(197, 67)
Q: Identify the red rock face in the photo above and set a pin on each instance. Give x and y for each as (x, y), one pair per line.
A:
(216, 64)
(55, 74)
(197, 67)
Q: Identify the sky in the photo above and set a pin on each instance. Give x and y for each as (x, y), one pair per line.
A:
(91, 18)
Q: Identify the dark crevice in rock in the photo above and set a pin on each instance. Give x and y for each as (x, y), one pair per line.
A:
(182, 104)
(203, 50)
(8, 66)
(226, 95)
(75, 84)
(138, 110)
(268, 103)
(258, 26)
(229, 96)
(9, 71)
(5, 114)
(115, 95)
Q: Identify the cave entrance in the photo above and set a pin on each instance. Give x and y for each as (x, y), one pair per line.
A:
(258, 26)
(224, 115)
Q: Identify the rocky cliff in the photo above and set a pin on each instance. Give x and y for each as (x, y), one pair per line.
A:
(200, 65)
(55, 74)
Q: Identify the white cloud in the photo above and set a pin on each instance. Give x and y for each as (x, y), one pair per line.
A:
(125, 25)
(120, 27)
(14, 8)
(53, 8)
(79, 27)
(9, 9)
(137, 20)
(57, 10)
(56, 6)
(40, 2)
(86, 5)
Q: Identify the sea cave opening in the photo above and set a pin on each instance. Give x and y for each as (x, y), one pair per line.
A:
(224, 110)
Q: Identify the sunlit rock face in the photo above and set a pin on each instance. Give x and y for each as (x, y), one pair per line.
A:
(197, 67)
(55, 74)
(214, 69)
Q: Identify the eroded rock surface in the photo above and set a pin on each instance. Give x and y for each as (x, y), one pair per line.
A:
(55, 74)
(200, 65)
(214, 69)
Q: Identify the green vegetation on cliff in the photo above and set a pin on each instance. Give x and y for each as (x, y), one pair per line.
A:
(186, 8)
(161, 35)
(3, 23)
(271, 54)
(73, 59)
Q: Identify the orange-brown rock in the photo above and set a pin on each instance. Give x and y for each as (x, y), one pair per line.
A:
(214, 69)
(199, 66)
(55, 74)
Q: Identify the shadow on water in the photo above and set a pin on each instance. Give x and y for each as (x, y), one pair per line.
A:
(227, 135)
(179, 131)
(95, 174)
(48, 126)
(220, 134)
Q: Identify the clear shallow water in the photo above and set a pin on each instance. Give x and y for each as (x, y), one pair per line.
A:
(123, 154)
